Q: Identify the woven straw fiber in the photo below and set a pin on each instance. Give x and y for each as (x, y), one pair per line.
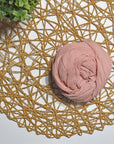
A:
(28, 94)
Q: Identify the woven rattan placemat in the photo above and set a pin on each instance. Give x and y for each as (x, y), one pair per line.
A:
(28, 94)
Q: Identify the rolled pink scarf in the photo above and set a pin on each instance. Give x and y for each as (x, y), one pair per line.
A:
(81, 69)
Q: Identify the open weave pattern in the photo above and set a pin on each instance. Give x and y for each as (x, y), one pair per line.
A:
(28, 94)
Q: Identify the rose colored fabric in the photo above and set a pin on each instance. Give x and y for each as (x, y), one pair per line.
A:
(81, 69)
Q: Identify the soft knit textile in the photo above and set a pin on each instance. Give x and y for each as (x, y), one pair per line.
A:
(81, 69)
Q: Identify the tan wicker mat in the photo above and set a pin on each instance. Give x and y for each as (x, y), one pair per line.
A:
(28, 94)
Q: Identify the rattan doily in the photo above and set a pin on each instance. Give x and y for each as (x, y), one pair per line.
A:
(28, 94)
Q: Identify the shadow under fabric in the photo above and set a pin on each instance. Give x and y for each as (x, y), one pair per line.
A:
(28, 93)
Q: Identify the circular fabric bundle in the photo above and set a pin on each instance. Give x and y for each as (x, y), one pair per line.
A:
(28, 93)
(81, 70)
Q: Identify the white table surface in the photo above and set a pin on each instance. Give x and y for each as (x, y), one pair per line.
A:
(10, 133)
